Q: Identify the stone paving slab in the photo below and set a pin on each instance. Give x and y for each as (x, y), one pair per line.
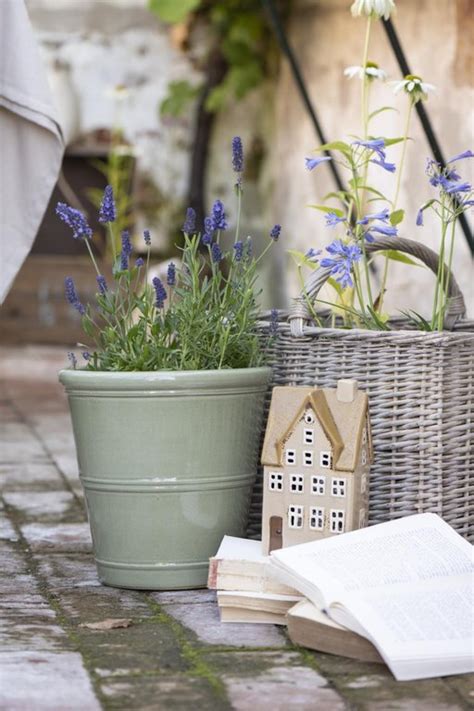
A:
(175, 654)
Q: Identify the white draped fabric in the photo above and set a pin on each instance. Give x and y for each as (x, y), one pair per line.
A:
(31, 144)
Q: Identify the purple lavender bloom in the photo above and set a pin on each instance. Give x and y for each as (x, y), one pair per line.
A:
(107, 210)
(206, 239)
(160, 292)
(189, 226)
(218, 216)
(216, 253)
(248, 248)
(238, 251)
(147, 237)
(419, 217)
(139, 262)
(127, 249)
(86, 355)
(461, 156)
(312, 163)
(72, 359)
(382, 163)
(275, 232)
(102, 284)
(75, 220)
(171, 274)
(71, 295)
(274, 322)
(332, 219)
(343, 257)
(383, 216)
(237, 154)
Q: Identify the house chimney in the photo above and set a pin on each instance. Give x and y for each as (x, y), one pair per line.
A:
(346, 390)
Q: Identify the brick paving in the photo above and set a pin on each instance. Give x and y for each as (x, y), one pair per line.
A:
(175, 654)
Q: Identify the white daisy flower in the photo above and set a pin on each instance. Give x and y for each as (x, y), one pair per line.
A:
(372, 71)
(414, 86)
(378, 8)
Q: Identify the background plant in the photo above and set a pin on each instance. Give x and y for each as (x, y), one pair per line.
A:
(367, 213)
(204, 317)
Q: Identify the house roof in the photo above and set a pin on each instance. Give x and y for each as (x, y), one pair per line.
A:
(342, 422)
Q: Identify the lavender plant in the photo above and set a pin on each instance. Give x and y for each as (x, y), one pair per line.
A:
(367, 212)
(205, 315)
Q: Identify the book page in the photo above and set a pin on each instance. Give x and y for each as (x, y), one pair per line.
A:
(406, 551)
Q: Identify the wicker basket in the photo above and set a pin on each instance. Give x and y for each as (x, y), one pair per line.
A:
(421, 389)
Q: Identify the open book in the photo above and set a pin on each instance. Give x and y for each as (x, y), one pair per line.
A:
(406, 585)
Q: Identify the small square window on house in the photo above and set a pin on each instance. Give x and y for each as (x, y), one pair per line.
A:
(325, 460)
(308, 436)
(318, 485)
(296, 483)
(295, 517)
(363, 483)
(364, 436)
(308, 458)
(309, 417)
(316, 518)
(338, 487)
(336, 521)
(290, 456)
(364, 456)
(275, 481)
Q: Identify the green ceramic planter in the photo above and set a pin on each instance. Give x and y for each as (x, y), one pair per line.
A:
(167, 461)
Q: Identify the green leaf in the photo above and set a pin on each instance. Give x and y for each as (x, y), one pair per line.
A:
(397, 256)
(172, 10)
(336, 286)
(180, 95)
(301, 259)
(324, 208)
(393, 141)
(341, 195)
(382, 109)
(396, 217)
(369, 189)
(336, 146)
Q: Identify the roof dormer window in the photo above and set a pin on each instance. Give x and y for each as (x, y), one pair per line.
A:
(309, 416)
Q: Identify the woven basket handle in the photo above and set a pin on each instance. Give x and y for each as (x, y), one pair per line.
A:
(300, 313)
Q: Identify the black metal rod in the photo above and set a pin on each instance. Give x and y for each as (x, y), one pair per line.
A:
(288, 52)
(424, 118)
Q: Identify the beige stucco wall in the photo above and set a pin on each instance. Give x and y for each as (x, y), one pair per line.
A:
(437, 38)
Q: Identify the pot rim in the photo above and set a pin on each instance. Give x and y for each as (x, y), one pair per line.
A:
(82, 379)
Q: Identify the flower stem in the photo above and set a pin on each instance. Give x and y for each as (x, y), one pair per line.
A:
(92, 257)
(365, 81)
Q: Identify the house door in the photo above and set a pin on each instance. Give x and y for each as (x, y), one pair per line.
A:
(276, 533)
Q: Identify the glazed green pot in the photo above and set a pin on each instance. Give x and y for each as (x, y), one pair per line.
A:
(167, 461)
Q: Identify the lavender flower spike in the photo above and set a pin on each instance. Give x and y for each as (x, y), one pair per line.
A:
(127, 249)
(147, 237)
(139, 262)
(189, 226)
(171, 274)
(218, 216)
(238, 251)
(75, 220)
(71, 295)
(275, 233)
(312, 163)
(237, 154)
(208, 230)
(102, 284)
(160, 292)
(107, 211)
(216, 253)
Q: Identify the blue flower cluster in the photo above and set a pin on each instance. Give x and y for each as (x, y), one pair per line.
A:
(171, 274)
(160, 292)
(127, 249)
(449, 182)
(107, 210)
(377, 146)
(343, 257)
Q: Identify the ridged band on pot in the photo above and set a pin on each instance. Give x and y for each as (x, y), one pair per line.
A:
(167, 461)
(421, 390)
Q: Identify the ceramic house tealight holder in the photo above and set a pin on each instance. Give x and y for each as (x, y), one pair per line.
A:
(316, 457)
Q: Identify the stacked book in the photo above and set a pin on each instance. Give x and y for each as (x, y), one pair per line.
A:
(399, 592)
